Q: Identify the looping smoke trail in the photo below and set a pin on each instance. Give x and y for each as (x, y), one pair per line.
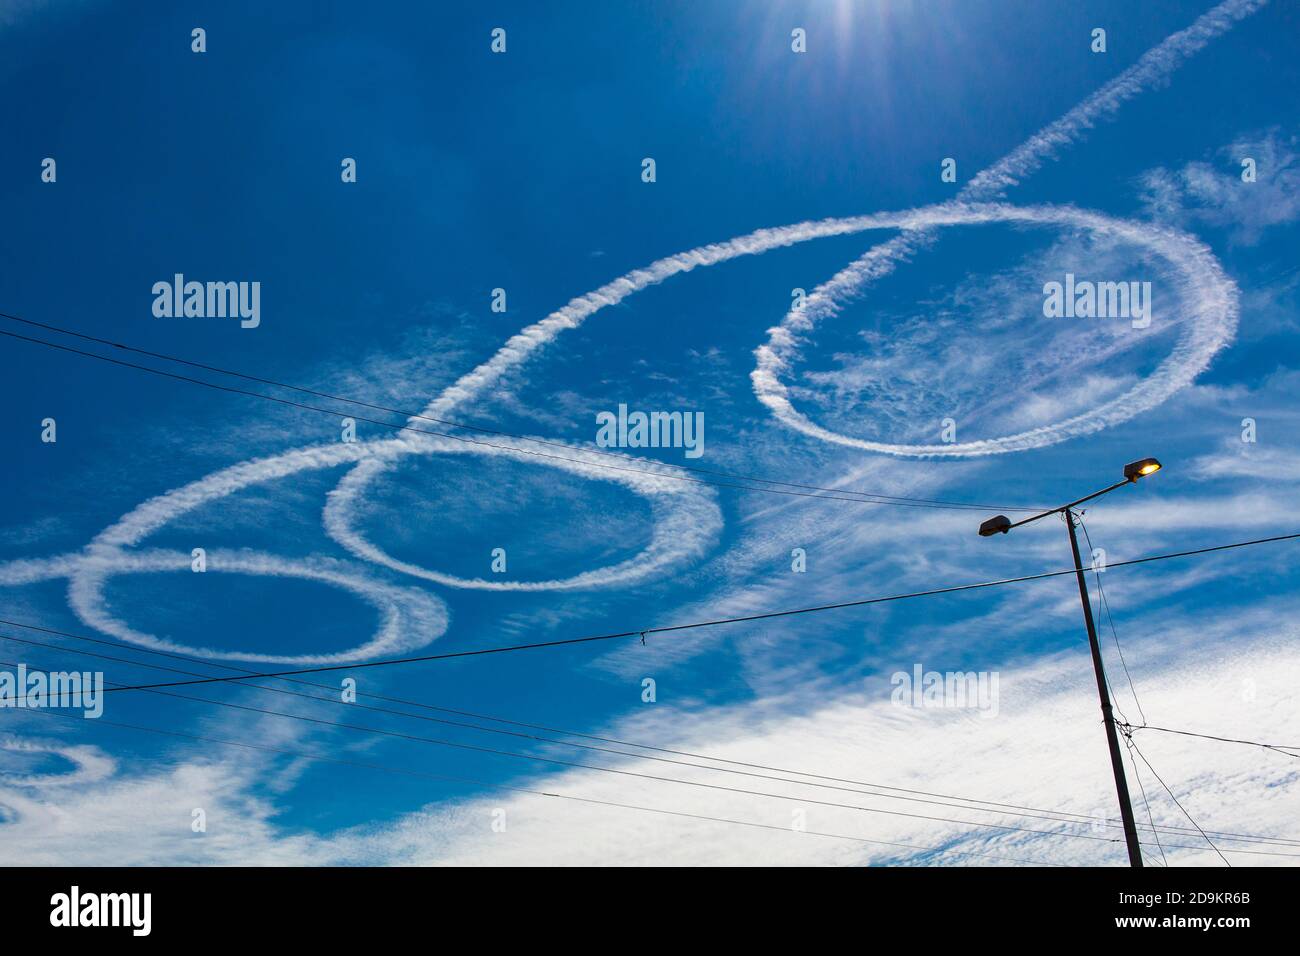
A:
(685, 519)
(781, 351)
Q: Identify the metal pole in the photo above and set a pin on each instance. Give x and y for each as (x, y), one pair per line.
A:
(1108, 717)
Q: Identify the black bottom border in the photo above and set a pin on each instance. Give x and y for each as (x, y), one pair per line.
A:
(334, 905)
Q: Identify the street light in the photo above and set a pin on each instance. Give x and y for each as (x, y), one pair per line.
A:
(1001, 524)
(1140, 469)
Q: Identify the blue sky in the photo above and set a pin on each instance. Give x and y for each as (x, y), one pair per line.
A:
(522, 171)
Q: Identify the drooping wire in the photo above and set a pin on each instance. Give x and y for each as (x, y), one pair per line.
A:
(514, 788)
(1277, 748)
(1145, 802)
(677, 780)
(1138, 751)
(647, 776)
(987, 805)
(1101, 591)
(1049, 815)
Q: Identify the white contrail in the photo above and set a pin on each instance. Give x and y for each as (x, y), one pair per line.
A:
(782, 348)
(410, 617)
(1210, 318)
(1153, 68)
(686, 517)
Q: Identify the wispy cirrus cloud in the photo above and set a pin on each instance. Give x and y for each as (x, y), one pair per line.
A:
(1046, 719)
(1202, 193)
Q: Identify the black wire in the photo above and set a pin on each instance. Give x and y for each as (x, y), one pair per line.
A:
(731, 620)
(153, 687)
(570, 733)
(645, 776)
(439, 742)
(1279, 748)
(564, 743)
(1034, 812)
(305, 755)
(1146, 803)
(1101, 591)
(1138, 751)
(833, 494)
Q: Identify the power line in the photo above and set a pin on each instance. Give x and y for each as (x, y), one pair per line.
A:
(1096, 573)
(810, 491)
(534, 737)
(1137, 775)
(588, 766)
(569, 733)
(1280, 748)
(645, 776)
(640, 632)
(1145, 802)
(1127, 728)
(691, 783)
(672, 628)
(306, 755)
(439, 742)
(991, 806)
(1138, 751)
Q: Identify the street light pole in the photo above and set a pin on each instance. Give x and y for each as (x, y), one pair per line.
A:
(1107, 713)
(1001, 525)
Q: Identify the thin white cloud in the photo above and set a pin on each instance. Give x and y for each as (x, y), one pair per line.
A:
(89, 765)
(1046, 722)
(1201, 193)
